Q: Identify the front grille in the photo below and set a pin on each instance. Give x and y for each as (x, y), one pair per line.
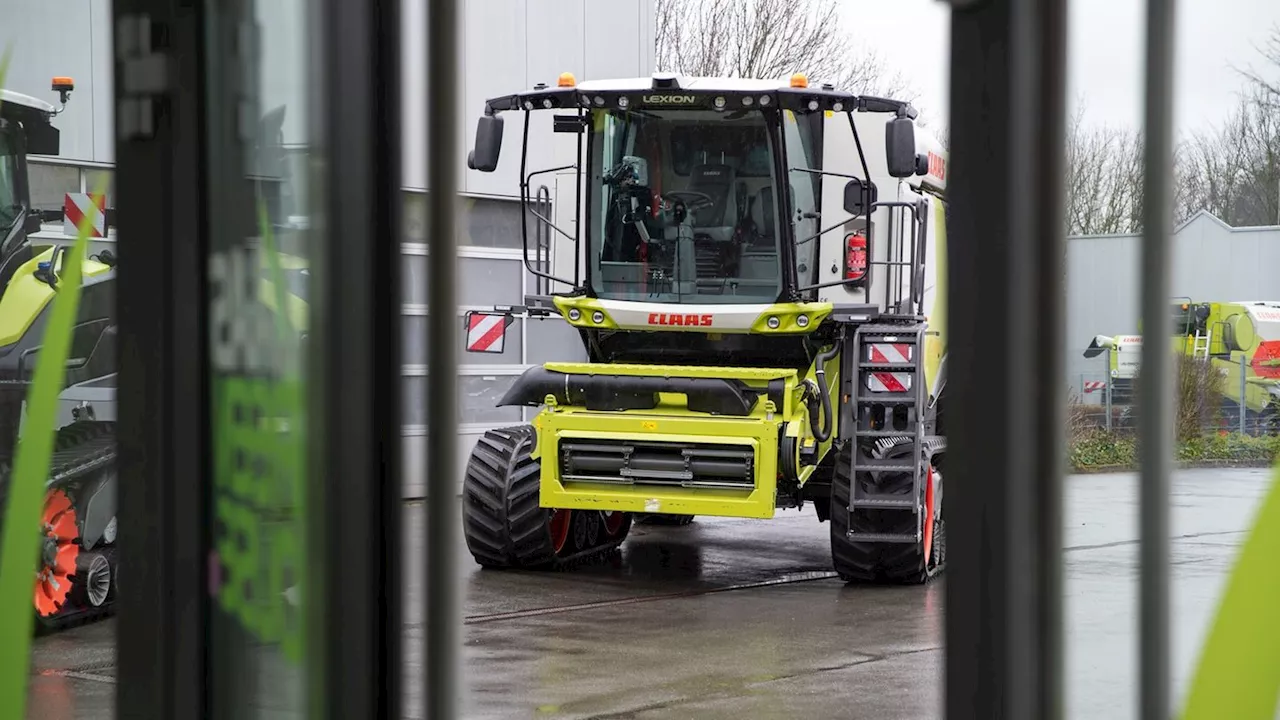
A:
(699, 465)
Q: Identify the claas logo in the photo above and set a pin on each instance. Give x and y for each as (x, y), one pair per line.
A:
(681, 320)
(937, 166)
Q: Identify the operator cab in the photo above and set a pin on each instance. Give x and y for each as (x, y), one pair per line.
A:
(684, 211)
(713, 195)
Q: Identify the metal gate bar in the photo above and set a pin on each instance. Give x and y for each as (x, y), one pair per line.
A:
(443, 618)
(1004, 592)
(1155, 390)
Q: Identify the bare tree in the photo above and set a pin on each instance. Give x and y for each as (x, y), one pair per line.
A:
(770, 39)
(1234, 171)
(1265, 81)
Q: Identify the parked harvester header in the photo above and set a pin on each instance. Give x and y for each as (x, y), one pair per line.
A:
(754, 268)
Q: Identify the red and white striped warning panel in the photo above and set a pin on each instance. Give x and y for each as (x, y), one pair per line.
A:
(77, 206)
(894, 382)
(487, 332)
(1094, 385)
(889, 353)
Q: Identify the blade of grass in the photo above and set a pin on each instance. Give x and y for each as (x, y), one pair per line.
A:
(19, 542)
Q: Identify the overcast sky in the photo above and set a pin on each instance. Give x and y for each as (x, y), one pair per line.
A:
(1105, 52)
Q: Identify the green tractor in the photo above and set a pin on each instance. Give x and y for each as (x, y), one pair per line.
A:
(75, 577)
(754, 268)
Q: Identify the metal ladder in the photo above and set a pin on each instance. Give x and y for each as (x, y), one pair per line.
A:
(889, 379)
(1201, 349)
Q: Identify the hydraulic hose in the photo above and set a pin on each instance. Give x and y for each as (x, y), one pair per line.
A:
(824, 394)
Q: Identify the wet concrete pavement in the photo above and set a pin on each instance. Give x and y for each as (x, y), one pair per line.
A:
(739, 618)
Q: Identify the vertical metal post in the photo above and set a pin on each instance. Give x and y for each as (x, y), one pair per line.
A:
(1244, 388)
(1155, 423)
(442, 614)
(1110, 381)
(356, 358)
(1004, 596)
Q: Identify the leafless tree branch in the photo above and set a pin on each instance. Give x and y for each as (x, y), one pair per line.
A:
(770, 39)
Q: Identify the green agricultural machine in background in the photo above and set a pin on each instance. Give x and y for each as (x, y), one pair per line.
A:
(1240, 339)
(755, 270)
(77, 569)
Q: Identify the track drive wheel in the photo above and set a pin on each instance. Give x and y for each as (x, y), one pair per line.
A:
(504, 525)
(659, 519)
(874, 562)
(59, 550)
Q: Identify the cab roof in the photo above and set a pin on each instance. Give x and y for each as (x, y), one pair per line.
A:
(8, 97)
(670, 91)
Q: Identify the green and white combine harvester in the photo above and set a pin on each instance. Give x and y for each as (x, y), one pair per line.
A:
(77, 568)
(755, 270)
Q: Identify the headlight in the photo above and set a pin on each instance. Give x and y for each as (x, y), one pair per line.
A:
(773, 322)
(597, 317)
(575, 314)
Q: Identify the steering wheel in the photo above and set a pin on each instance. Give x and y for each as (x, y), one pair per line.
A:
(699, 199)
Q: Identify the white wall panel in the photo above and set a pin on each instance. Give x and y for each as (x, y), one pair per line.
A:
(413, 79)
(494, 50)
(104, 139)
(54, 38)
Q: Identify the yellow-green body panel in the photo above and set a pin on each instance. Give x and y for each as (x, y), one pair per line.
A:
(672, 421)
(26, 296)
(935, 344)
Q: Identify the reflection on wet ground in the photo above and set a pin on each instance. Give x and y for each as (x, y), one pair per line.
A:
(742, 619)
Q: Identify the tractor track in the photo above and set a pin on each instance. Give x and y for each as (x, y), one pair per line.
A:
(785, 579)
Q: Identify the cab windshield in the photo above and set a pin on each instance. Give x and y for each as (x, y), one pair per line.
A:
(681, 207)
(9, 207)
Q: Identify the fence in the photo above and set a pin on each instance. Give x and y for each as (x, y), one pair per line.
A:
(1216, 394)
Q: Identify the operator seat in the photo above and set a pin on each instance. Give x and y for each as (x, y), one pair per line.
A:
(759, 262)
(718, 182)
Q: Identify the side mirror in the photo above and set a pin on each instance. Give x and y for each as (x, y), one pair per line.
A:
(922, 164)
(33, 224)
(900, 147)
(856, 200)
(488, 144)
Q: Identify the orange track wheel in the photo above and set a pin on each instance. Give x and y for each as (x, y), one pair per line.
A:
(613, 520)
(559, 527)
(928, 515)
(58, 553)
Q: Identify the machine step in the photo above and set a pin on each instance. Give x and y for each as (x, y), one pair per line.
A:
(882, 466)
(882, 537)
(885, 503)
(888, 399)
(880, 433)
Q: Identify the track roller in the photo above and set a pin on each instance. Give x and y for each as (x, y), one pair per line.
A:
(910, 563)
(503, 523)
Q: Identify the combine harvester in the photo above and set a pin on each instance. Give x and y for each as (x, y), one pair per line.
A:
(754, 268)
(1243, 334)
(76, 572)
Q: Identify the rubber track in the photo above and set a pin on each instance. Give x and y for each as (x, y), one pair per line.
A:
(503, 523)
(900, 563)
